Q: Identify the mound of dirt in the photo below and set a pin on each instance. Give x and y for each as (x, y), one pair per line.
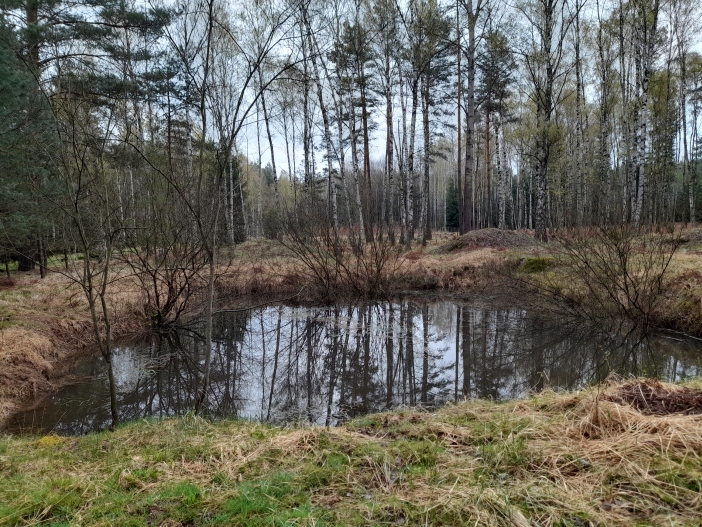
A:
(488, 238)
(653, 398)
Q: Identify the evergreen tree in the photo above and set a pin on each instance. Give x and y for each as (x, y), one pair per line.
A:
(24, 153)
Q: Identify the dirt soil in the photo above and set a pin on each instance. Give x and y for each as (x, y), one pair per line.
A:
(652, 397)
(483, 238)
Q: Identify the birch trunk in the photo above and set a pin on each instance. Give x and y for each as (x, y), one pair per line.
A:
(389, 140)
(501, 169)
(331, 183)
(644, 50)
(356, 182)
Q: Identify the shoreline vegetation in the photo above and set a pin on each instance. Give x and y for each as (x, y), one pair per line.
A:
(45, 325)
(623, 453)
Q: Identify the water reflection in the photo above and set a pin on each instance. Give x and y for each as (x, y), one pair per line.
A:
(327, 365)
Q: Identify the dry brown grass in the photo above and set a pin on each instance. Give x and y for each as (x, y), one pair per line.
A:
(45, 326)
(268, 270)
(681, 308)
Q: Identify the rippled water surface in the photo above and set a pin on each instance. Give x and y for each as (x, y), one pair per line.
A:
(326, 365)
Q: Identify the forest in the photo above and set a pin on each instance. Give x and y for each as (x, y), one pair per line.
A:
(143, 143)
(205, 123)
(350, 262)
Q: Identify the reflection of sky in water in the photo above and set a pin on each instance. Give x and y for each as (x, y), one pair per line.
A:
(129, 368)
(331, 365)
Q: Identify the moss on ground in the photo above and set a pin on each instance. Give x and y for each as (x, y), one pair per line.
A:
(536, 265)
(555, 459)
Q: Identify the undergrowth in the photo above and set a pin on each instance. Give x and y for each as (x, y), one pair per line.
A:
(580, 459)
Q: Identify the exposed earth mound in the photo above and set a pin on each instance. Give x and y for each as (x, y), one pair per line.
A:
(483, 238)
(654, 398)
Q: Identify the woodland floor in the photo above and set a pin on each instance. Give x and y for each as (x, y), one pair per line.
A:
(621, 454)
(45, 325)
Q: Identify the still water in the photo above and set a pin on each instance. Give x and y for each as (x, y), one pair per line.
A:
(326, 365)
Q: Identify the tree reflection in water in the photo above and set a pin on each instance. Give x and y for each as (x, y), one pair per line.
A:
(326, 365)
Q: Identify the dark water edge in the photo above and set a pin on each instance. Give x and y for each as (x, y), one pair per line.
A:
(327, 365)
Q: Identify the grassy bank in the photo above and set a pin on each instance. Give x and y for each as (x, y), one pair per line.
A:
(44, 328)
(45, 324)
(588, 458)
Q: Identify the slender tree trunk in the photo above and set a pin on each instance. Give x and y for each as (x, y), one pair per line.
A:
(306, 112)
(42, 257)
(688, 176)
(263, 368)
(356, 178)
(366, 357)
(488, 173)
(310, 369)
(693, 164)
(331, 183)
(275, 364)
(409, 353)
(389, 141)
(402, 165)
(470, 123)
(426, 220)
(544, 114)
(540, 181)
(259, 220)
(425, 355)
(366, 155)
(579, 172)
(230, 223)
(410, 160)
(332, 367)
(645, 40)
(459, 109)
(270, 137)
(646, 35)
(501, 177)
(209, 311)
(389, 353)
(604, 157)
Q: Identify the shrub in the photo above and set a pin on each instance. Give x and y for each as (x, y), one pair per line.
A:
(336, 262)
(615, 275)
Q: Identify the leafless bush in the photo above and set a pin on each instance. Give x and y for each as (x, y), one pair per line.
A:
(337, 262)
(167, 260)
(612, 276)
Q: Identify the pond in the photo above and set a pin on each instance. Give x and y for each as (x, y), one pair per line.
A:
(327, 365)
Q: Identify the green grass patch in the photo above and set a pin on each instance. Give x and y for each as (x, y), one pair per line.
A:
(536, 265)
